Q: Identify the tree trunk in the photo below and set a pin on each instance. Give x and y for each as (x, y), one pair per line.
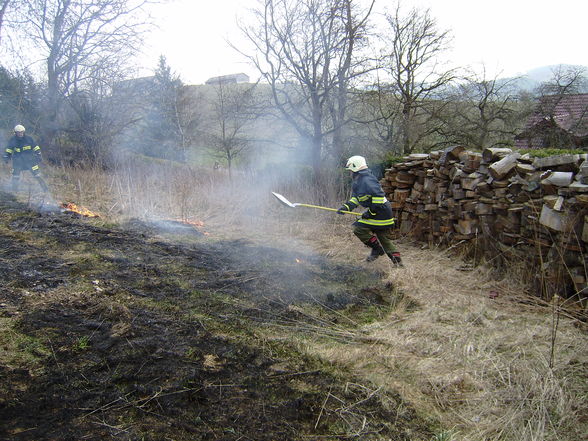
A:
(316, 157)
(2, 13)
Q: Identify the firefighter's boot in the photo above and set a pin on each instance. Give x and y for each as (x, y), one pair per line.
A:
(396, 259)
(377, 249)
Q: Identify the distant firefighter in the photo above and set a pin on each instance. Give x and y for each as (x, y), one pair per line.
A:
(25, 155)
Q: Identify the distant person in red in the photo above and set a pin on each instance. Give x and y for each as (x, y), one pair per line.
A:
(25, 155)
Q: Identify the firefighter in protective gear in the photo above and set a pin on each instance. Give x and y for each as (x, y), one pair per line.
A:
(374, 226)
(25, 155)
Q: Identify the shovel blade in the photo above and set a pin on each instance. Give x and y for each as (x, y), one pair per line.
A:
(283, 200)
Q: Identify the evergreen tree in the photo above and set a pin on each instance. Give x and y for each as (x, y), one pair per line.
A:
(164, 132)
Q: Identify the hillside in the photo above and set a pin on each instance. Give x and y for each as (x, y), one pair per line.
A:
(531, 80)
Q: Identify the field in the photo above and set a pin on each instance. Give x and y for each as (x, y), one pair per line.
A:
(198, 308)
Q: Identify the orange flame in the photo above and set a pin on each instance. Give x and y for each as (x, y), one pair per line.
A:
(194, 223)
(70, 206)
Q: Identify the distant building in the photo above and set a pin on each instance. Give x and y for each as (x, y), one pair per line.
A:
(560, 121)
(229, 79)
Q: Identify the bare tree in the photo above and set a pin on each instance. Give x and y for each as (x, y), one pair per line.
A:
(412, 45)
(482, 112)
(556, 96)
(3, 8)
(4, 4)
(94, 120)
(81, 39)
(8, 13)
(565, 80)
(308, 54)
(234, 108)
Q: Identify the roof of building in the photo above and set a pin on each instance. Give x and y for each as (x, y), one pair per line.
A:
(237, 78)
(568, 112)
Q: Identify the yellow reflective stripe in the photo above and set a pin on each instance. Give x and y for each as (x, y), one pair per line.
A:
(8, 150)
(375, 222)
(26, 147)
(378, 200)
(17, 150)
(364, 198)
(36, 148)
(354, 200)
(35, 167)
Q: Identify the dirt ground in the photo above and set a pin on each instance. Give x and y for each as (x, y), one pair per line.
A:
(149, 331)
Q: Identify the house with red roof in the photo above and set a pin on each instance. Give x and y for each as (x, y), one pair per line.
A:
(560, 121)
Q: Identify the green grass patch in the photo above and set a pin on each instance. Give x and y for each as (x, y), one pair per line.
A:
(17, 349)
(82, 343)
(545, 153)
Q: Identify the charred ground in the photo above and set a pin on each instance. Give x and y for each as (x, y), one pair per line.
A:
(133, 332)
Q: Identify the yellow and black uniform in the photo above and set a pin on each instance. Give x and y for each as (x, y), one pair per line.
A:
(373, 228)
(25, 155)
(367, 192)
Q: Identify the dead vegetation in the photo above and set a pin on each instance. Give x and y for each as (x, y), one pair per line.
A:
(274, 322)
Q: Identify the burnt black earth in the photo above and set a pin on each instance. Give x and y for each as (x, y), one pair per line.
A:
(138, 332)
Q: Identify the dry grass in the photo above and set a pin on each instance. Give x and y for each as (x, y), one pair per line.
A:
(470, 354)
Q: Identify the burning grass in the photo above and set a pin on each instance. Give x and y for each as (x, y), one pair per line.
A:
(70, 207)
(467, 350)
(142, 336)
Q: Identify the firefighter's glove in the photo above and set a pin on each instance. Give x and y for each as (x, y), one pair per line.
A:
(366, 214)
(342, 209)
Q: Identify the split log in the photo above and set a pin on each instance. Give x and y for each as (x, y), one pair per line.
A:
(404, 177)
(418, 156)
(553, 201)
(466, 226)
(578, 188)
(555, 220)
(525, 169)
(500, 169)
(458, 193)
(559, 179)
(401, 195)
(471, 160)
(556, 161)
(471, 181)
(492, 154)
(451, 152)
(582, 175)
(483, 209)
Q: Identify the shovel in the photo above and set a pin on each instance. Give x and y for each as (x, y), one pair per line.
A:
(286, 202)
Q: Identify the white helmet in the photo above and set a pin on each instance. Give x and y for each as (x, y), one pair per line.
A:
(356, 163)
(19, 128)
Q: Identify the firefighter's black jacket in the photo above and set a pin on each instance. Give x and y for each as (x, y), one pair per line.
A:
(23, 151)
(367, 192)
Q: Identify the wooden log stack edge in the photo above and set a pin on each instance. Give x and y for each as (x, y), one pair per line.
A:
(509, 204)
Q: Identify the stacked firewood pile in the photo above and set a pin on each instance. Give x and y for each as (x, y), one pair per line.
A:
(509, 205)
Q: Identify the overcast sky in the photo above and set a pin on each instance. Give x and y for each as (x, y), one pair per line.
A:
(510, 37)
